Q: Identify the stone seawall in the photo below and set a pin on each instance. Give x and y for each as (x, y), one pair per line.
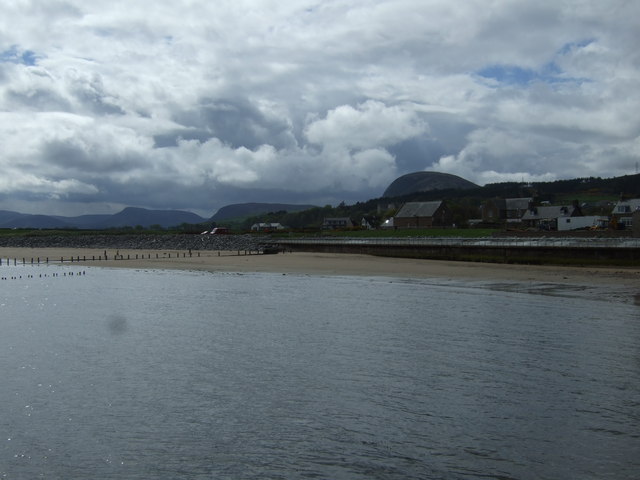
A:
(138, 242)
(521, 254)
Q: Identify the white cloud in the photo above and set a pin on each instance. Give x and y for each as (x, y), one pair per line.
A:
(50, 188)
(369, 124)
(187, 104)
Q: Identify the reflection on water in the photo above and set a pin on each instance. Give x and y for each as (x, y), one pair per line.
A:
(156, 374)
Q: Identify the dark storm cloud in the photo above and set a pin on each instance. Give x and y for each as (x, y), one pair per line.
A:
(237, 123)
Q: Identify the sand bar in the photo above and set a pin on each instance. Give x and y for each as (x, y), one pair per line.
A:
(330, 264)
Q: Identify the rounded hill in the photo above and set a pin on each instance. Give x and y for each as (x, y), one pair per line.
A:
(425, 182)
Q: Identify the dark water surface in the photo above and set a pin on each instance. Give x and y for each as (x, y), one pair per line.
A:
(162, 374)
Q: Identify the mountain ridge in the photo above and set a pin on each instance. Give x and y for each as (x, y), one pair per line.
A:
(426, 182)
(128, 217)
(136, 216)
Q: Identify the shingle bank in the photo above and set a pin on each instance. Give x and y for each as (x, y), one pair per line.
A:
(135, 242)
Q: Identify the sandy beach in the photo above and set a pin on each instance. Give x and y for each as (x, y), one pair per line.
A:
(328, 264)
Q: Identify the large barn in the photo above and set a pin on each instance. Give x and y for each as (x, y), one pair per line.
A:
(423, 215)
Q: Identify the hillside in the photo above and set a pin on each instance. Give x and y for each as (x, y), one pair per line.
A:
(242, 210)
(426, 182)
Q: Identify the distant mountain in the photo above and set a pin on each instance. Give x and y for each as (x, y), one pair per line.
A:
(7, 216)
(426, 182)
(22, 220)
(132, 217)
(241, 210)
(129, 217)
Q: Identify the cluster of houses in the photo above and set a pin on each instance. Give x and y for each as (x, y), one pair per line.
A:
(515, 212)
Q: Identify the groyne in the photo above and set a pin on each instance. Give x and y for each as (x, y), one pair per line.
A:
(558, 251)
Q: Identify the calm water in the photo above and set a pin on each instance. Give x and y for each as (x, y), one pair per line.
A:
(161, 374)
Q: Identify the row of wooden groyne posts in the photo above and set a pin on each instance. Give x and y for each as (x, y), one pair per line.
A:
(84, 258)
(118, 256)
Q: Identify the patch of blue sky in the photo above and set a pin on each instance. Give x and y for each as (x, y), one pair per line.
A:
(571, 46)
(550, 73)
(513, 75)
(14, 55)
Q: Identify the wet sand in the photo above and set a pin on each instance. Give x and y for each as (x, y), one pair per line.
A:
(333, 264)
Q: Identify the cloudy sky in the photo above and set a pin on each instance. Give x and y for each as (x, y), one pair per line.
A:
(193, 105)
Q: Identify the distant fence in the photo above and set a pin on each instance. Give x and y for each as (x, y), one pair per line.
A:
(605, 251)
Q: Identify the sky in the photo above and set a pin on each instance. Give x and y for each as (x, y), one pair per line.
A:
(194, 105)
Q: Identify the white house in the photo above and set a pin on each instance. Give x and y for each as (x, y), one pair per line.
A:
(266, 227)
(550, 217)
(623, 211)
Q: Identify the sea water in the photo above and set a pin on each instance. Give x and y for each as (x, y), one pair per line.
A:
(140, 374)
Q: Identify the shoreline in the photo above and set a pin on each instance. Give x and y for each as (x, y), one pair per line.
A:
(328, 264)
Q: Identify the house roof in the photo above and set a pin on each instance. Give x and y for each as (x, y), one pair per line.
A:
(548, 212)
(419, 209)
(633, 203)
